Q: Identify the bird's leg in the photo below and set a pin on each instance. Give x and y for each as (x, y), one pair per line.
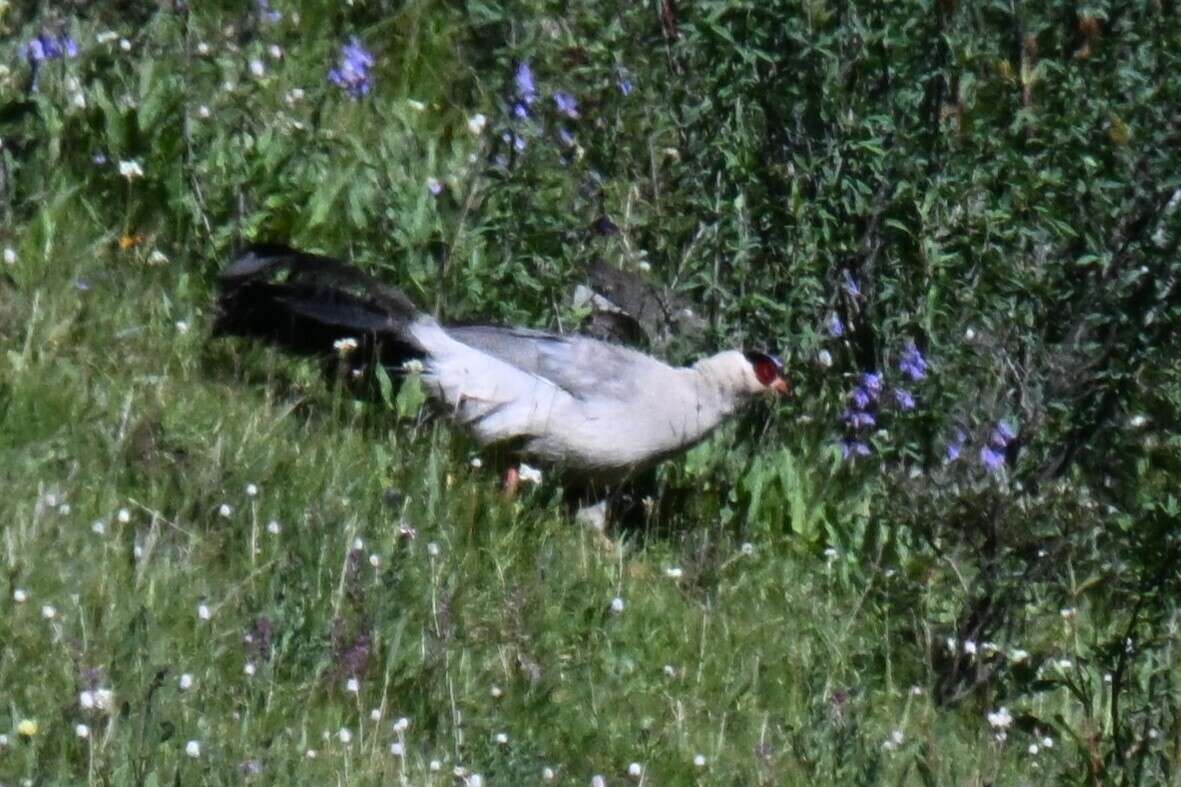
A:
(512, 482)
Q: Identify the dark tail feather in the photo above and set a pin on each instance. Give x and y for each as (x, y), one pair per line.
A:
(306, 303)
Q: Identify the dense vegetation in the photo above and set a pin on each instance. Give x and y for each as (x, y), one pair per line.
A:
(952, 558)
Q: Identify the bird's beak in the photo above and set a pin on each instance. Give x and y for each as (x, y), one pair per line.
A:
(781, 386)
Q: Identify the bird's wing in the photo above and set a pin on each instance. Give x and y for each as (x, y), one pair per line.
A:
(583, 367)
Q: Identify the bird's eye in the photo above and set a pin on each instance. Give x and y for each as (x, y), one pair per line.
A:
(767, 368)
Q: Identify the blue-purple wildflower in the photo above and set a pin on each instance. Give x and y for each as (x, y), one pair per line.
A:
(834, 326)
(1002, 434)
(956, 445)
(566, 138)
(266, 13)
(872, 382)
(861, 398)
(50, 47)
(625, 84)
(523, 79)
(566, 104)
(859, 419)
(913, 364)
(850, 284)
(353, 72)
(853, 448)
(903, 399)
(992, 458)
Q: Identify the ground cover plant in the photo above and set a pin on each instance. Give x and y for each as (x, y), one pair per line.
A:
(952, 558)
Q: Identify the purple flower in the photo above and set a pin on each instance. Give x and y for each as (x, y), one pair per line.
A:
(956, 445)
(70, 46)
(520, 111)
(913, 364)
(99, 159)
(625, 85)
(566, 138)
(853, 448)
(903, 399)
(861, 398)
(267, 14)
(1002, 435)
(993, 459)
(872, 381)
(850, 284)
(859, 420)
(50, 47)
(353, 72)
(834, 325)
(526, 90)
(566, 104)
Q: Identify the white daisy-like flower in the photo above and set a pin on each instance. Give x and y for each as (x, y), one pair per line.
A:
(193, 749)
(1033, 748)
(225, 510)
(124, 516)
(202, 48)
(204, 112)
(185, 682)
(124, 44)
(131, 169)
(699, 760)
(82, 731)
(916, 691)
(635, 770)
(345, 735)
(48, 611)
(310, 754)
(99, 527)
(747, 549)
(496, 692)
(1000, 718)
(294, 95)
(397, 749)
(182, 327)
(432, 549)
(413, 366)
(670, 671)
(434, 186)
(598, 781)
(674, 572)
(375, 714)
(258, 68)
(969, 647)
(401, 725)
(346, 345)
(275, 51)
(204, 612)
(547, 773)
(157, 257)
(1047, 742)
(417, 106)
(475, 780)
(1018, 655)
(20, 595)
(352, 685)
(252, 490)
(9, 255)
(375, 560)
(529, 474)
(435, 766)
(106, 36)
(1069, 613)
(501, 738)
(274, 528)
(617, 605)
(476, 124)
(1063, 664)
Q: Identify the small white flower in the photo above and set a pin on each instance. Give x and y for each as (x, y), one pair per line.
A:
(358, 544)
(258, 68)
(86, 700)
(78, 100)
(186, 681)
(203, 612)
(138, 551)
(747, 549)
(352, 685)
(274, 528)
(98, 699)
(476, 124)
(375, 714)
(699, 760)
(294, 95)
(435, 766)
(598, 781)
(202, 48)
(670, 671)
(81, 730)
(401, 725)
(124, 516)
(1107, 677)
(824, 358)
(969, 647)
(204, 112)
(345, 735)
(896, 737)
(831, 554)
(529, 474)
(413, 366)
(249, 669)
(477, 462)
(1018, 655)
(644, 266)
(674, 572)
(475, 780)
(193, 749)
(3, 741)
(48, 612)
(275, 51)
(225, 510)
(495, 692)
(251, 490)
(1063, 664)
(501, 738)
(635, 770)
(346, 345)
(106, 37)
(432, 549)
(916, 691)
(617, 605)
(124, 44)
(434, 186)
(310, 754)
(1047, 742)
(547, 773)
(396, 749)
(182, 327)
(1136, 421)
(375, 560)
(20, 595)
(1033, 749)
(9, 255)
(1069, 613)
(951, 644)
(131, 169)
(417, 106)
(1000, 718)
(969, 334)
(157, 257)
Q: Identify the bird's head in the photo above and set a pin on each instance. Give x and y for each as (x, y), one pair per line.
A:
(767, 371)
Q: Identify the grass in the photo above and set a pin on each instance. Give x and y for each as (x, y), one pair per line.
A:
(267, 575)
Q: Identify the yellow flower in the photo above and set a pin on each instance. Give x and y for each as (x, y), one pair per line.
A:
(27, 728)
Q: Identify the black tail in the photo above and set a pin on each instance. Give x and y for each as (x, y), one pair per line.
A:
(307, 303)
